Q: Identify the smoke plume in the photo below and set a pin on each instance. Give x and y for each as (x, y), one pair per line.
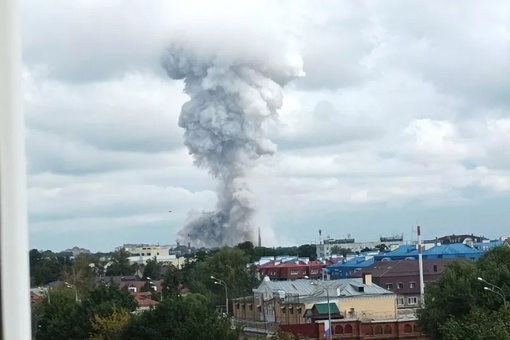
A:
(232, 93)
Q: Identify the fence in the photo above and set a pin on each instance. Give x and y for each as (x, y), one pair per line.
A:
(256, 326)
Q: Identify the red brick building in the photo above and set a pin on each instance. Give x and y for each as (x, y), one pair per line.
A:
(291, 270)
(359, 330)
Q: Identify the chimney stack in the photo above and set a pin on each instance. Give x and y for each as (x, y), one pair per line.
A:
(367, 279)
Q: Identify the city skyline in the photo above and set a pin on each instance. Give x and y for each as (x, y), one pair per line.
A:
(401, 120)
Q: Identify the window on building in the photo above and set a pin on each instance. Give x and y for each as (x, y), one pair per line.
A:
(435, 268)
(348, 329)
(412, 284)
(339, 329)
(370, 330)
(389, 286)
(412, 300)
(294, 271)
(387, 329)
(408, 328)
(378, 329)
(400, 301)
(400, 285)
(314, 271)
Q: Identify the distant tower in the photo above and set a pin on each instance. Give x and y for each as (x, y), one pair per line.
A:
(320, 236)
(260, 239)
(189, 244)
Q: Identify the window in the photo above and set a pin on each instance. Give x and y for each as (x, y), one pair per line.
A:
(408, 328)
(348, 329)
(412, 284)
(370, 331)
(387, 329)
(314, 271)
(339, 329)
(294, 271)
(389, 286)
(435, 268)
(378, 329)
(400, 285)
(400, 301)
(412, 300)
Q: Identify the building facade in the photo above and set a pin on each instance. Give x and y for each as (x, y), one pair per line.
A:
(323, 249)
(292, 302)
(403, 277)
(291, 270)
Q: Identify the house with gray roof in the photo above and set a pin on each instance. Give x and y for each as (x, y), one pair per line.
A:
(291, 302)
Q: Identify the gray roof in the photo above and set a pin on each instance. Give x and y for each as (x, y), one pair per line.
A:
(316, 289)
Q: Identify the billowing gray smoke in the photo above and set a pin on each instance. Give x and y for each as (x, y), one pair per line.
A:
(230, 98)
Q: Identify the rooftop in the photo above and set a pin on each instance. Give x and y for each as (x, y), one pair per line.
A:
(311, 290)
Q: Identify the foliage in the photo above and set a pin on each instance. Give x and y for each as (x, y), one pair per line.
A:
(57, 317)
(152, 269)
(61, 317)
(226, 264)
(120, 264)
(181, 318)
(340, 251)
(110, 326)
(479, 324)
(381, 247)
(45, 267)
(458, 298)
(80, 274)
(172, 281)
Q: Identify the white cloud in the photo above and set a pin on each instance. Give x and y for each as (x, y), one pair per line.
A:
(403, 105)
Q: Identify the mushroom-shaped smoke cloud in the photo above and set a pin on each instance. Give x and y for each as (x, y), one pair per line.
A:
(234, 86)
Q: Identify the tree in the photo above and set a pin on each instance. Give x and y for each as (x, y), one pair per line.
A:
(458, 297)
(479, 324)
(172, 281)
(45, 267)
(181, 318)
(80, 274)
(308, 250)
(61, 318)
(340, 251)
(152, 269)
(109, 327)
(381, 247)
(120, 264)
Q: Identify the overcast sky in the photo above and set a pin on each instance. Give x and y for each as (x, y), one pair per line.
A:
(402, 119)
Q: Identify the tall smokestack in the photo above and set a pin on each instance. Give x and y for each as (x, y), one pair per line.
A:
(233, 90)
(420, 264)
(260, 239)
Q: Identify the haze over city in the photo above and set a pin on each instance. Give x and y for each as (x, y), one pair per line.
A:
(401, 117)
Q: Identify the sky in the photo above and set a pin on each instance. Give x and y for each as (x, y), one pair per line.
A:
(402, 119)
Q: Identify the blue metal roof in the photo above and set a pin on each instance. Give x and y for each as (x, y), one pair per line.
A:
(360, 261)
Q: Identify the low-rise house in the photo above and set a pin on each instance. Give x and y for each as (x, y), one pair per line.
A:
(302, 301)
(403, 277)
(291, 269)
(144, 301)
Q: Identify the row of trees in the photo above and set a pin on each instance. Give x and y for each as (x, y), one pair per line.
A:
(107, 313)
(458, 306)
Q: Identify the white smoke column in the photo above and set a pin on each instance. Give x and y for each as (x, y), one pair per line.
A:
(232, 93)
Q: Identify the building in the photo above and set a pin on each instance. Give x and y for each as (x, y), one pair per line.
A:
(323, 249)
(346, 268)
(431, 251)
(141, 253)
(294, 302)
(403, 277)
(463, 238)
(290, 269)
